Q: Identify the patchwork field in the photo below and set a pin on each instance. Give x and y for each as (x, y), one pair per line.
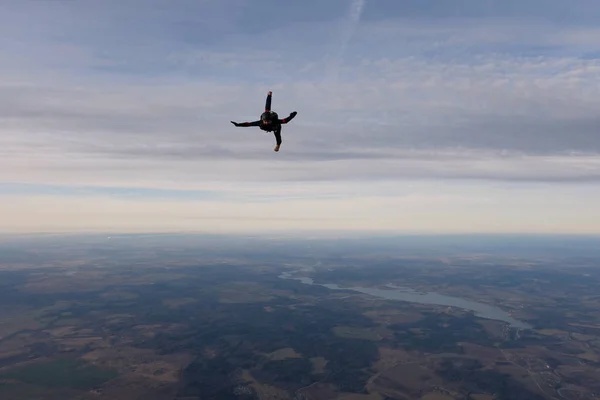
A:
(138, 324)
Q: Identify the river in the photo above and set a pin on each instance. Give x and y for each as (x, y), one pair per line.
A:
(407, 294)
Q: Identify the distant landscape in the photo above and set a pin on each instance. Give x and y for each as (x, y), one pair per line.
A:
(194, 317)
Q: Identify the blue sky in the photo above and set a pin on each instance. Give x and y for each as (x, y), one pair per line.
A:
(413, 116)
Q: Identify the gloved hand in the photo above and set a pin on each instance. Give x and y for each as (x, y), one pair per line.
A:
(293, 114)
(235, 123)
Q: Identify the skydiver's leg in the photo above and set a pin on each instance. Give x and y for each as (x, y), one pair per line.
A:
(268, 103)
(277, 133)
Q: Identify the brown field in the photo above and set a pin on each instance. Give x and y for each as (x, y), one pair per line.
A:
(13, 353)
(61, 331)
(283, 354)
(593, 326)
(57, 306)
(319, 364)
(319, 391)
(590, 356)
(436, 396)
(82, 342)
(17, 343)
(552, 332)
(140, 363)
(584, 374)
(66, 322)
(522, 375)
(389, 358)
(178, 302)
(482, 397)
(584, 338)
(119, 295)
(403, 380)
(18, 319)
(357, 396)
(128, 387)
(151, 330)
(265, 392)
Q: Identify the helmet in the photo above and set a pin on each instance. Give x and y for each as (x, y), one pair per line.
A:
(269, 116)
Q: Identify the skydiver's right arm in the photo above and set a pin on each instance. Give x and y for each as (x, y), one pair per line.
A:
(244, 124)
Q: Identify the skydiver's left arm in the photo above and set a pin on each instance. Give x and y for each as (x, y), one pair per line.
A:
(244, 124)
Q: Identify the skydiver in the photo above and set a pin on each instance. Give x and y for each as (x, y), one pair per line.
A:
(269, 121)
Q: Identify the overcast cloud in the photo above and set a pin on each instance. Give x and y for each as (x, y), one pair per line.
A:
(139, 94)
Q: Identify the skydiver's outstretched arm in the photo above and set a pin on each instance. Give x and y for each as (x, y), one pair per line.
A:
(268, 102)
(244, 124)
(288, 119)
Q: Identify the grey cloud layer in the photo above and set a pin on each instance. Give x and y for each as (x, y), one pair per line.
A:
(479, 117)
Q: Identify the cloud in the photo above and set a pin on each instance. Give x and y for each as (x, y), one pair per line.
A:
(496, 112)
(139, 95)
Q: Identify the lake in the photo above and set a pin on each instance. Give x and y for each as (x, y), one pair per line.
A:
(407, 294)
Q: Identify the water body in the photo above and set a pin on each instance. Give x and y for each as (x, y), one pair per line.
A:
(407, 294)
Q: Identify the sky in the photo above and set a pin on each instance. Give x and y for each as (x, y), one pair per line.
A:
(424, 116)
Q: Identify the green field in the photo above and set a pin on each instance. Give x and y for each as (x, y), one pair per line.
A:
(61, 373)
(350, 332)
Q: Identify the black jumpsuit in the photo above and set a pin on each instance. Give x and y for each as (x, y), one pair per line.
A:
(274, 126)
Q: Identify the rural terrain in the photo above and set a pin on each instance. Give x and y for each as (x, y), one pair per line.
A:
(200, 318)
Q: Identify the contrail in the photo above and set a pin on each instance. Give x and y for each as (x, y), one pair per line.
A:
(355, 14)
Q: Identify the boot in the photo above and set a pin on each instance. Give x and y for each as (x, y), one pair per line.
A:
(276, 148)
